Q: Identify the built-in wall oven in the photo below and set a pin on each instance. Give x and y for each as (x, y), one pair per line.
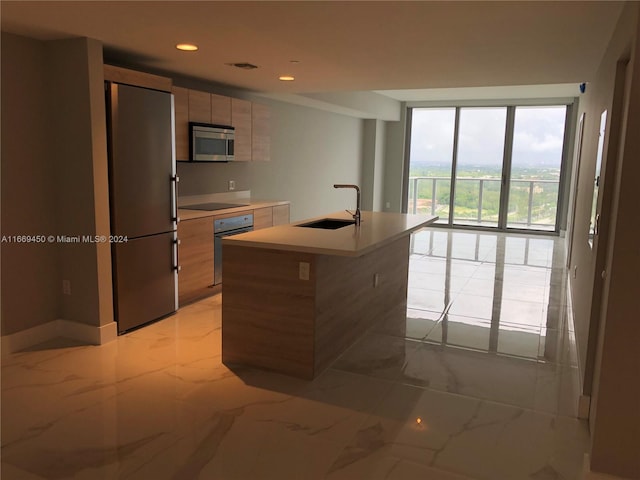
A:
(225, 227)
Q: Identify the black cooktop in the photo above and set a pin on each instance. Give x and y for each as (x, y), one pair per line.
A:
(213, 206)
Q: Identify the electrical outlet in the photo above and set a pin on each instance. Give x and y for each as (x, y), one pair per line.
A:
(232, 184)
(66, 287)
(388, 205)
(303, 270)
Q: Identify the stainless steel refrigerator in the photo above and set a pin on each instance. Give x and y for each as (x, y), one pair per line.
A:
(142, 192)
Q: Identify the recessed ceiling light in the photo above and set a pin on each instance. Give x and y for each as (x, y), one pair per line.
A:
(187, 47)
(286, 78)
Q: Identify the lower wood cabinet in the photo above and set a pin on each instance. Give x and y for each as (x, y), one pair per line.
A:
(262, 218)
(196, 252)
(281, 215)
(195, 256)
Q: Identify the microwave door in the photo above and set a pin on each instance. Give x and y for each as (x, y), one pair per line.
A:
(209, 146)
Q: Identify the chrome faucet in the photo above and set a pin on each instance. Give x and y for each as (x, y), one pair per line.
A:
(356, 214)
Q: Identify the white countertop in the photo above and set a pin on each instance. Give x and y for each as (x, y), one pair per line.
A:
(376, 229)
(185, 214)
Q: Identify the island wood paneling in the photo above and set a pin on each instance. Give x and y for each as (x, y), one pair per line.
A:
(271, 319)
(348, 303)
(268, 313)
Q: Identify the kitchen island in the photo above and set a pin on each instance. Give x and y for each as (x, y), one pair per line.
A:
(295, 297)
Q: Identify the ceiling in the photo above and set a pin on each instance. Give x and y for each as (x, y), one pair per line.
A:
(392, 47)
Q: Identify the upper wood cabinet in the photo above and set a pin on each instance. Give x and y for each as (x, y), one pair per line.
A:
(250, 120)
(199, 106)
(181, 105)
(241, 121)
(207, 107)
(221, 110)
(260, 132)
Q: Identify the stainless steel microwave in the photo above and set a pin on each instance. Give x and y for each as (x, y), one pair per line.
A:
(210, 143)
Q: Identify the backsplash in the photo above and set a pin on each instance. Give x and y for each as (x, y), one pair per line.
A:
(208, 178)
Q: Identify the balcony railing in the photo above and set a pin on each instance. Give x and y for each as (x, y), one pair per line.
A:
(532, 203)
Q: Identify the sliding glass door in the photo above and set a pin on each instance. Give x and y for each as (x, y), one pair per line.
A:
(487, 166)
(432, 136)
(478, 178)
(536, 161)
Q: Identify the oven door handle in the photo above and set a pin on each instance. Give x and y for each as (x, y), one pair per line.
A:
(230, 233)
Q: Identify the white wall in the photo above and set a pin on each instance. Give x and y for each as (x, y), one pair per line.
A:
(372, 177)
(54, 182)
(75, 76)
(394, 152)
(614, 417)
(310, 151)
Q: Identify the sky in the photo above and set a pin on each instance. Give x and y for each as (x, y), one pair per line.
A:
(538, 136)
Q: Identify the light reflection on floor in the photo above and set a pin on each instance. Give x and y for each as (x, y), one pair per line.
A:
(485, 361)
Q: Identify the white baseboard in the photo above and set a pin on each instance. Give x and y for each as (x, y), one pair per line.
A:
(58, 328)
(584, 404)
(584, 401)
(587, 474)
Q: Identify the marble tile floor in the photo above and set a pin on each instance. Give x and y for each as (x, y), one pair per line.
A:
(479, 382)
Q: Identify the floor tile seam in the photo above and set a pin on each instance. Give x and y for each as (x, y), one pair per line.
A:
(457, 348)
(534, 361)
(427, 310)
(489, 401)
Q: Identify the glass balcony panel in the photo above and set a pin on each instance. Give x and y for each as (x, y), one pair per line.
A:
(479, 166)
(535, 167)
(431, 160)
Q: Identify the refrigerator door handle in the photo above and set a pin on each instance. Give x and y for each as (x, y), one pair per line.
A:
(176, 260)
(174, 195)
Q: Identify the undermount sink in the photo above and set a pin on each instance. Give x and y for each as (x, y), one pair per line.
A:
(328, 223)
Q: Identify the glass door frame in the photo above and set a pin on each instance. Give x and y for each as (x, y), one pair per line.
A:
(567, 149)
